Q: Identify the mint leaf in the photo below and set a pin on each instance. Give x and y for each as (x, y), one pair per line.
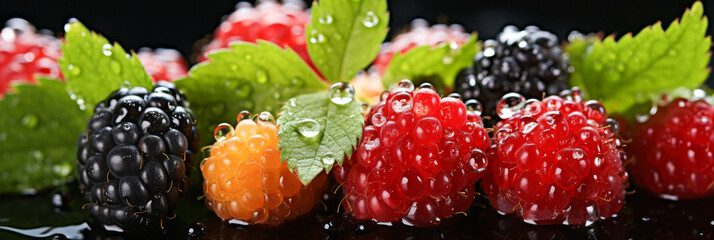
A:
(443, 61)
(315, 133)
(39, 126)
(94, 68)
(254, 77)
(626, 72)
(344, 36)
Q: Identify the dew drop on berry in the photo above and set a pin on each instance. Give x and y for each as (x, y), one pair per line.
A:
(596, 110)
(341, 93)
(308, 128)
(614, 125)
(371, 20)
(406, 85)
(426, 85)
(378, 119)
(243, 115)
(222, 131)
(509, 105)
(266, 117)
(478, 161)
(474, 106)
(402, 102)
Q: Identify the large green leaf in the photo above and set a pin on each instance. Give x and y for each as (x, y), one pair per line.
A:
(344, 36)
(39, 125)
(94, 68)
(628, 71)
(316, 132)
(254, 77)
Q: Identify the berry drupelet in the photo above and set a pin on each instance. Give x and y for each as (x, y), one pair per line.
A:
(135, 158)
(529, 62)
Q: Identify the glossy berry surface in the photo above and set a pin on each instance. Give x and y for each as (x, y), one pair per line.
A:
(245, 180)
(672, 151)
(135, 158)
(279, 23)
(25, 54)
(418, 160)
(555, 161)
(529, 62)
(163, 64)
(419, 34)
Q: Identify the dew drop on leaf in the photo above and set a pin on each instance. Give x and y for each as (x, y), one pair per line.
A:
(29, 121)
(509, 105)
(74, 70)
(308, 128)
(317, 38)
(37, 155)
(261, 76)
(115, 67)
(325, 18)
(222, 131)
(107, 49)
(371, 20)
(328, 159)
(341, 93)
(248, 57)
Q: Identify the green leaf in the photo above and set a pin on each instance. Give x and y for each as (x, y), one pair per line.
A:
(254, 77)
(94, 68)
(628, 71)
(315, 133)
(39, 126)
(443, 61)
(344, 36)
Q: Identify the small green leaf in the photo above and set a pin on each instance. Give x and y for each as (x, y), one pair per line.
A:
(315, 133)
(443, 61)
(39, 125)
(344, 36)
(254, 77)
(628, 71)
(94, 68)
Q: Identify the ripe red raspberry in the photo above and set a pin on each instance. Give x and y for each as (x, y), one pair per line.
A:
(25, 54)
(163, 64)
(282, 24)
(672, 154)
(555, 161)
(420, 34)
(418, 160)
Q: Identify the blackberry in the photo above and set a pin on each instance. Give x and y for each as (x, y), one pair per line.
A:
(529, 62)
(135, 157)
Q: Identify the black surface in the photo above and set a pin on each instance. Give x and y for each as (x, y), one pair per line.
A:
(179, 24)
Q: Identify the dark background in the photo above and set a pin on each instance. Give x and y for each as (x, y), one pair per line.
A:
(180, 24)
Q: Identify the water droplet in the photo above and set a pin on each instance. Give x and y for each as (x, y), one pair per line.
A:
(672, 52)
(125, 84)
(371, 144)
(222, 131)
(449, 132)
(248, 57)
(402, 102)
(243, 91)
(261, 76)
(447, 60)
(74, 70)
(308, 128)
(478, 161)
(427, 85)
(115, 67)
(244, 115)
(378, 119)
(404, 66)
(455, 95)
(406, 85)
(509, 105)
(317, 37)
(325, 18)
(266, 117)
(341, 93)
(292, 102)
(328, 159)
(29, 121)
(597, 111)
(276, 95)
(474, 106)
(337, 36)
(107, 49)
(614, 125)
(296, 82)
(371, 20)
(37, 155)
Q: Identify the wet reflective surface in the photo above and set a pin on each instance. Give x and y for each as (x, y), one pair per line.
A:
(50, 215)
